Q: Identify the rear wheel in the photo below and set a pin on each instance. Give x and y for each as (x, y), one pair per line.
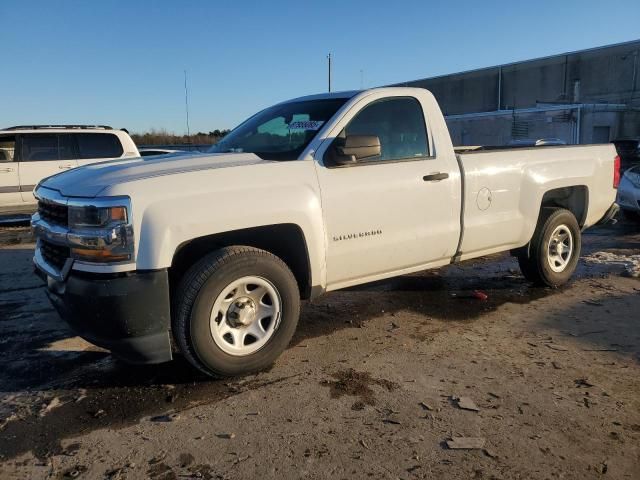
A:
(554, 250)
(236, 311)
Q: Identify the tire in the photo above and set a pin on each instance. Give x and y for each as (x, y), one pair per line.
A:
(542, 263)
(231, 273)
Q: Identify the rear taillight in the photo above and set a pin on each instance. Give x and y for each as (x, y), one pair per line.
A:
(616, 171)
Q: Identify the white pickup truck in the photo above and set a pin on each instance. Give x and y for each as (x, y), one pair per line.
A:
(211, 254)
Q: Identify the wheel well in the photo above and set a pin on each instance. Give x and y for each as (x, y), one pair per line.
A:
(285, 241)
(575, 199)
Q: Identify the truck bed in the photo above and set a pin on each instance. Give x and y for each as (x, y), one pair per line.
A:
(496, 179)
(466, 149)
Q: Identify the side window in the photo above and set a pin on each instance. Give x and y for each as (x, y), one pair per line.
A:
(98, 145)
(39, 147)
(398, 123)
(66, 147)
(7, 148)
(44, 147)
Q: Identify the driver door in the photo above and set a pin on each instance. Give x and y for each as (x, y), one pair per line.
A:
(383, 215)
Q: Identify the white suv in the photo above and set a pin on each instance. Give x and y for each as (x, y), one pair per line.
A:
(30, 153)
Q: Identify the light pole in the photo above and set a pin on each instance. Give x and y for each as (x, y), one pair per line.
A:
(186, 102)
(329, 58)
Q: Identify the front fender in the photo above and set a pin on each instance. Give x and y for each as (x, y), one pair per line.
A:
(171, 210)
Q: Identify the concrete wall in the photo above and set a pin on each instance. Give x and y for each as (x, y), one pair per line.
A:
(606, 75)
(498, 129)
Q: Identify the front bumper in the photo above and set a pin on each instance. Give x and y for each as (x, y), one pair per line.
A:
(127, 314)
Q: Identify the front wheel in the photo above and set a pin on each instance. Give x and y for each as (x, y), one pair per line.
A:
(554, 250)
(236, 311)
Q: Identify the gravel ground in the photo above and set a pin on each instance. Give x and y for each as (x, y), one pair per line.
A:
(381, 381)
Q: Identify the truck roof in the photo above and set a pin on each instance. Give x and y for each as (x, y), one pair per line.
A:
(350, 93)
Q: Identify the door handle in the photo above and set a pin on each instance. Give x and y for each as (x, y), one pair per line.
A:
(6, 170)
(435, 177)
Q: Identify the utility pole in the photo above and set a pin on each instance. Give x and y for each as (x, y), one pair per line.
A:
(329, 58)
(186, 102)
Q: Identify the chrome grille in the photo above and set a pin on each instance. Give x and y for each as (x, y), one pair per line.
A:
(53, 213)
(54, 255)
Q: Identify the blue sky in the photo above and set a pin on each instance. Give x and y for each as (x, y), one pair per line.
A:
(121, 62)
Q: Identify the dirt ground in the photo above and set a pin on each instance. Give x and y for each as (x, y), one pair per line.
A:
(372, 386)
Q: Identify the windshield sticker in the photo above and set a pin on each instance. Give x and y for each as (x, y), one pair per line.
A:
(308, 125)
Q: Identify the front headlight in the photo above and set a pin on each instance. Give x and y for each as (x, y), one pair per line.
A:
(96, 217)
(100, 234)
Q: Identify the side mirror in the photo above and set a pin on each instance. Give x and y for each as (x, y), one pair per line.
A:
(355, 148)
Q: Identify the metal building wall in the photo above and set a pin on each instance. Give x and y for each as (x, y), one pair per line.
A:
(603, 76)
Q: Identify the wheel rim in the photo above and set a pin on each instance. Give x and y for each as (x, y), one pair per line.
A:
(245, 315)
(560, 248)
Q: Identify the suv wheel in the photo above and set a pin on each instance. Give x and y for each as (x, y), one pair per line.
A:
(554, 250)
(235, 311)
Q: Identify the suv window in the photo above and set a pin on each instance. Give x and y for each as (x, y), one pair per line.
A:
(398, 123)
(7, 148)
(43, 147)
(98, 145)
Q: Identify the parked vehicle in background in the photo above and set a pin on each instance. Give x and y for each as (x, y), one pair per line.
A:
(149, 152)
(629, 151)
(629, 193)
(212, 253)
(30, 153)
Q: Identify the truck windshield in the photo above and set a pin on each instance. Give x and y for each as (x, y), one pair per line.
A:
(280, 132)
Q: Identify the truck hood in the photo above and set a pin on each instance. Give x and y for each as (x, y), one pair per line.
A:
(90, 180)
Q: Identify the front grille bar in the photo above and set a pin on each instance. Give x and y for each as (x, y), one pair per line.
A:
(53, 213)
